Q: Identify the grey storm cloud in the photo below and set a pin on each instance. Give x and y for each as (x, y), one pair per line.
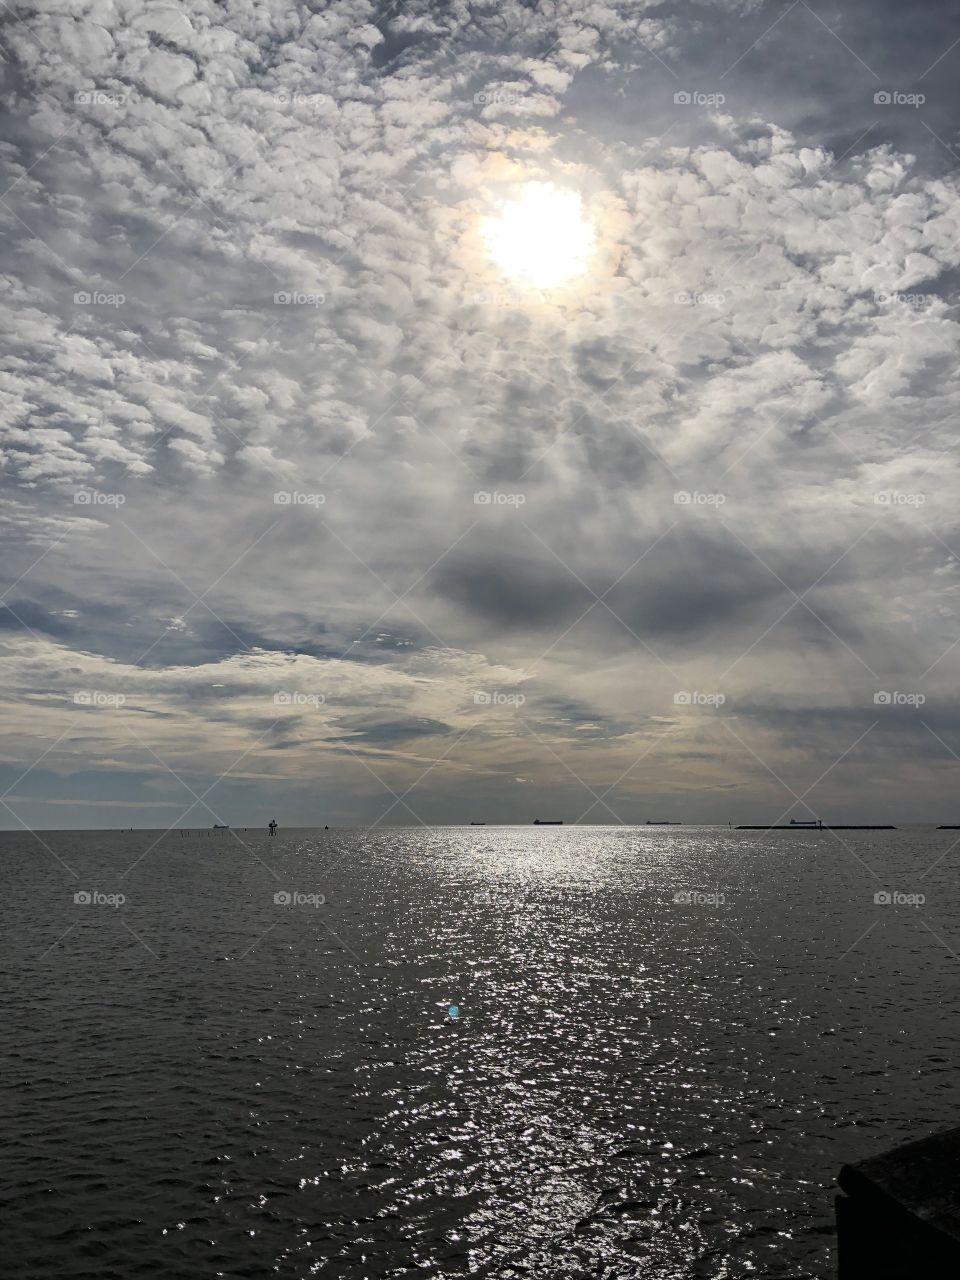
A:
(697, 587)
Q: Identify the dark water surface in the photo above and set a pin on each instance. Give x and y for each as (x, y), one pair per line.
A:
(203, 1083)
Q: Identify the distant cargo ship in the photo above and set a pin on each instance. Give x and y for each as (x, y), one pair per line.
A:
(666, 822)
(813, 826)
(548, 822)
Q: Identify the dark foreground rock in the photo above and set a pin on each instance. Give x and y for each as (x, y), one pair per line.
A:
(899, 1218)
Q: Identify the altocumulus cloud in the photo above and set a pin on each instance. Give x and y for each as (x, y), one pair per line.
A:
(258, 365)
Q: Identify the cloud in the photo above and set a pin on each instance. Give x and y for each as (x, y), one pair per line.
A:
(258, 365)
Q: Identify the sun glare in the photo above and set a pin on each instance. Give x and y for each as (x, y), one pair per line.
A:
(542, 238)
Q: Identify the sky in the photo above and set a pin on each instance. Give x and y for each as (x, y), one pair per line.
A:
(420, 413)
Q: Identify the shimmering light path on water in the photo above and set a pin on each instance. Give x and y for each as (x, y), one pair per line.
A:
(202, 1081)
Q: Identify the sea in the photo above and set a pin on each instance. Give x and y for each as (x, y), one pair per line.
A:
(561, 1052)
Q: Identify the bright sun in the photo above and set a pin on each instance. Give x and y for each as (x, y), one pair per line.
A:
(541, 238)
